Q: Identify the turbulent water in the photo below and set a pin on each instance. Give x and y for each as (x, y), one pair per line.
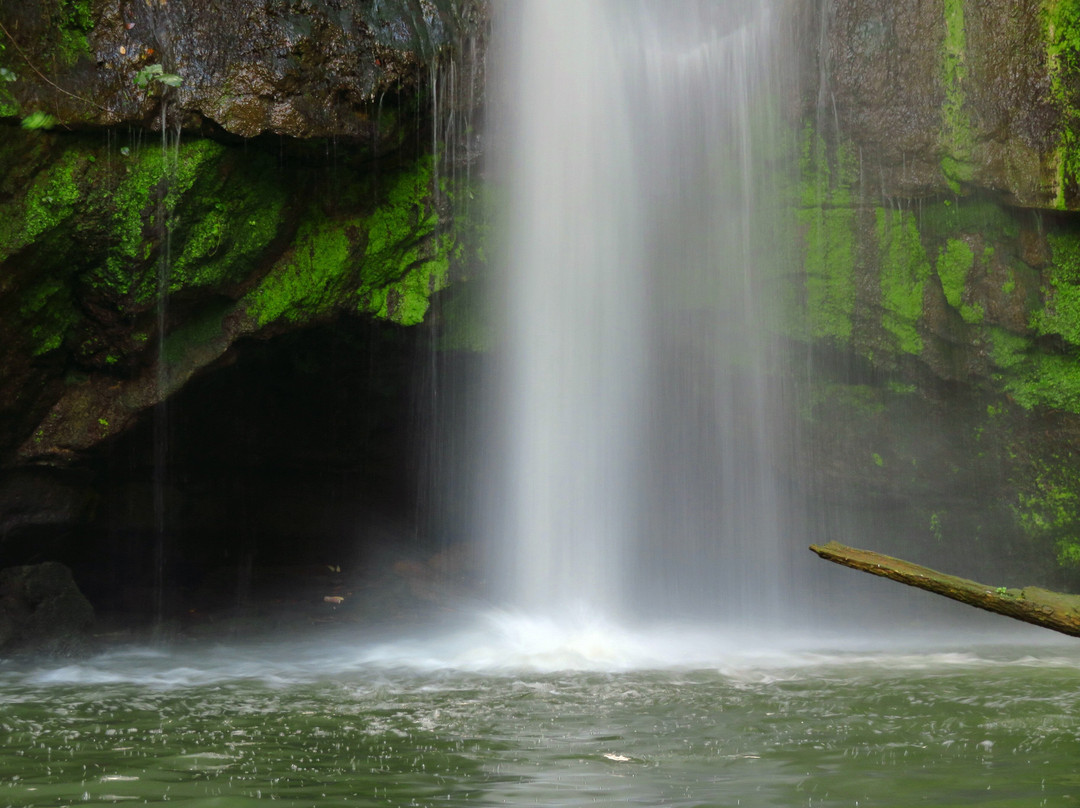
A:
(342, 724)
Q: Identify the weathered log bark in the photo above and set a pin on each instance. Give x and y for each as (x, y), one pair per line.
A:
(1052, 610)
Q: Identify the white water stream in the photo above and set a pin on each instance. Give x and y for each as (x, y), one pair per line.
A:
(644, 419)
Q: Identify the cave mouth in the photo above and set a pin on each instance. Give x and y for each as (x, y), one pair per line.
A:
(296, 479)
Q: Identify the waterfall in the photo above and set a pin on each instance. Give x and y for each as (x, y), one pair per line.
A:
(643, 426)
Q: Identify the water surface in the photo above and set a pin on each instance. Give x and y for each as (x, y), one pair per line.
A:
(408, 723)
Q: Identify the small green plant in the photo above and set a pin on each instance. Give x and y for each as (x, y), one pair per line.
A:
(1002, 590)
(38, 120)
(150, 74)
(935, 526)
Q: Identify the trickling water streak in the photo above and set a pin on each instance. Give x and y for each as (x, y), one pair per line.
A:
(644, 420)
(170, 156)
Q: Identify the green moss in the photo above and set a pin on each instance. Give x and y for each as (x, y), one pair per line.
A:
(829, 265)
(1007, 350)
(9, 107)
(1065, 257)
(50, 200)
(466, 320)
(1062, 25)
(1060, 314)
(1048, 507)
(860, 401)
(957, 137)
(955, 262)
(74, 22)
(947, 218)
(392, 258)
(235, 221)
(1047, 380)
(142, 205)
(827, 221)
(904, 270)
(404, 263)
(49, 313)
(8, 76)
(935, 526)
(406, 301)
(307, 282)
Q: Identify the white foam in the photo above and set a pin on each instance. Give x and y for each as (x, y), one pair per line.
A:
(503, 643)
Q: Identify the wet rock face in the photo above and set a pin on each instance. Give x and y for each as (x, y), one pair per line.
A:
(939, 95)
(940, 242)
(302, 68)
(132, 261)
(42, 610)
(130, 269)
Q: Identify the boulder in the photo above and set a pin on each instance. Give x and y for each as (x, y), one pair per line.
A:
(42, 610)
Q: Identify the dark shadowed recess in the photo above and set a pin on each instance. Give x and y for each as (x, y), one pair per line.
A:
(298, 470)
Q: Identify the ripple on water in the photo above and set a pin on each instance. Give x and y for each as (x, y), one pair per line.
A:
(397, 723)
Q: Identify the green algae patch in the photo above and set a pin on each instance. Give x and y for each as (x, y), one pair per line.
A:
(955, 262)
(388, 260)
(143, 204)
(1062, 25)
(827, 221)
(403, 264)
(308, 281)
(904, 272)
(956, 134)
(1047, 380)
(238, 213)
(49, 312)
(51, 200)
(1060, 314)
(1047, 507)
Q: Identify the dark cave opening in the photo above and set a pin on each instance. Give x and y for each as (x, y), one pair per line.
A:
(299, 471)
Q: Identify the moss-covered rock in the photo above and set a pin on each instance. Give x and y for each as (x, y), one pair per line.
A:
(944, 96)
(937, 133)
(129, 266)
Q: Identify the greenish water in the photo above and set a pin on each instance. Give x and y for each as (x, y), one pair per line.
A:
(400, 724)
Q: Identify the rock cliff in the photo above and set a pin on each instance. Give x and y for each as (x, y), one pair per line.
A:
(182, 180)
(938, 184)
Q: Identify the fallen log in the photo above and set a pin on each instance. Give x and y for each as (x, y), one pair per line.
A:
(1052, 610)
